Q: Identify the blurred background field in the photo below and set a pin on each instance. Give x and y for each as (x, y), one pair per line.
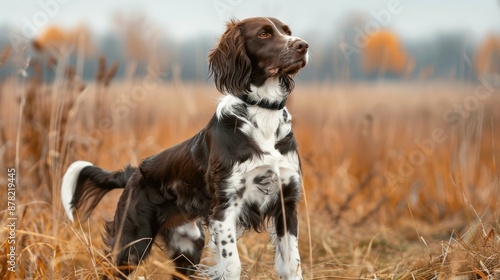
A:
(397, 128)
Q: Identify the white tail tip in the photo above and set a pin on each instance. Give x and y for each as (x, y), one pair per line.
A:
(68, 185)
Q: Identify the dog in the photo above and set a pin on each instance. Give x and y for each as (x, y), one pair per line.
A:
(242, 171)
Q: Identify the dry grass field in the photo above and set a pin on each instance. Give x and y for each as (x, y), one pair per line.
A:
(401, 179)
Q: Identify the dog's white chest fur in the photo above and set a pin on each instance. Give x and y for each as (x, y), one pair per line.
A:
(265, 126)
(258, 179)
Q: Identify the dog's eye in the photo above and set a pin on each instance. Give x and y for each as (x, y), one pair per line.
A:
(263, 34)
(289, 33)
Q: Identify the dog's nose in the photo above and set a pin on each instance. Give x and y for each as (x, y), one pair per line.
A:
(301, 46)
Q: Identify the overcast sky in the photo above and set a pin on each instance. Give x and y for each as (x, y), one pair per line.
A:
(187, 18)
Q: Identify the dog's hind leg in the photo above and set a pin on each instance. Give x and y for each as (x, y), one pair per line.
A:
(185, 245)
(135, 225)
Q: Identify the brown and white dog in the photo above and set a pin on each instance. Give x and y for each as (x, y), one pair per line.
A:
(242, 171)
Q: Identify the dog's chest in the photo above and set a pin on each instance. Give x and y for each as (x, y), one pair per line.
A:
(267, 127)
(259, 178)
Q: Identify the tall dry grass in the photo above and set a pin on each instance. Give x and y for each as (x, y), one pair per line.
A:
(376, 210)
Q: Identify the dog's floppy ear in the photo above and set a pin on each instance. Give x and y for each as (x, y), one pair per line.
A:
(229, 63)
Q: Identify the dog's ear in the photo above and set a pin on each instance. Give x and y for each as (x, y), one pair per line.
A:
(229, 63)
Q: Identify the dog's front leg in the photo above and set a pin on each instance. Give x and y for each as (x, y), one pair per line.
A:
(285, 230)
(224, 240)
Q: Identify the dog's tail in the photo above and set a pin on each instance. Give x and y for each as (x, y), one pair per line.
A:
(84, 185)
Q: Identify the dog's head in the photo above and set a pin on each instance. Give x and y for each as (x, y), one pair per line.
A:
(254, 50)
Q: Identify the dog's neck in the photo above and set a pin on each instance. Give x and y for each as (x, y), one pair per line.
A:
(270, 95)
(264, 103)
